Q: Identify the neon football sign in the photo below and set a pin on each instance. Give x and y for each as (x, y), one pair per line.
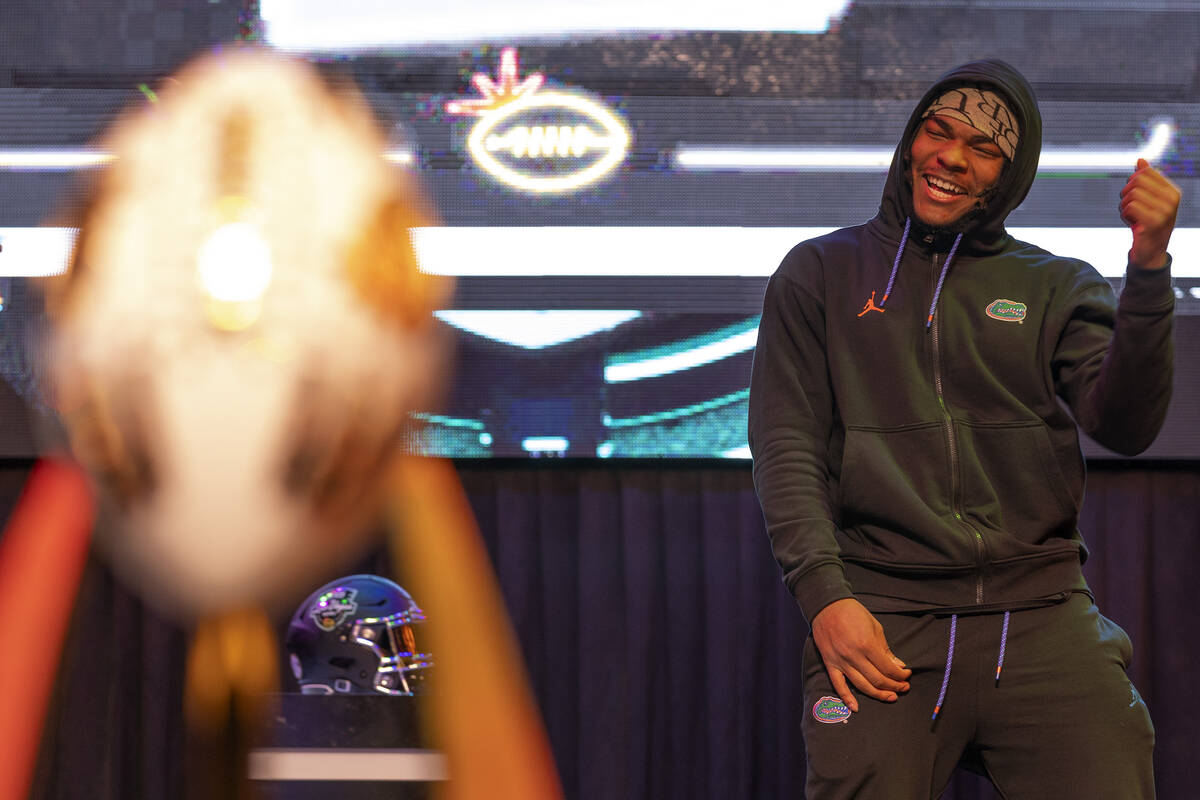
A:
(538, 141)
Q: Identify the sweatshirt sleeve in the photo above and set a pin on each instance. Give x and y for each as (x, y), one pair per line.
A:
(1116, 370)
(790, 422)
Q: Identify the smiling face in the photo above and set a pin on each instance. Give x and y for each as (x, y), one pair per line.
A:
(952, 165)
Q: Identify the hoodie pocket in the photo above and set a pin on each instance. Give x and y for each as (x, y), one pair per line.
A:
(1012, 481)
(895, 480)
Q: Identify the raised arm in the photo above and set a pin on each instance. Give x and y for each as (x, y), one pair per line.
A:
(1116, 369)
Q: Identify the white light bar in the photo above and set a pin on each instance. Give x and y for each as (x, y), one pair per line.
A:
(35, 252)
(714, 251)
(402, 157)
(1081, 158)
(66, 159)
(346, 764)
(677, 362)
(534, 330)
(768, 157)
(348, 25)
(52, 159)
(545, 444)
(629, 252)
(604, 251)
(1088, 158)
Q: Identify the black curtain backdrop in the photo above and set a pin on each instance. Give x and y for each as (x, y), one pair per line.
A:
(661, 644)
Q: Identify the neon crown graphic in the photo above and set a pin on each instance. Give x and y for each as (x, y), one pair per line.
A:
(497, 95)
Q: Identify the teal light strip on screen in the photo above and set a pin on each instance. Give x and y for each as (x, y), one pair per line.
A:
(450, 422)
(677, 413)
(684, 354)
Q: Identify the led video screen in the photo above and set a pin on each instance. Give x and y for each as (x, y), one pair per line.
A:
(613, 190)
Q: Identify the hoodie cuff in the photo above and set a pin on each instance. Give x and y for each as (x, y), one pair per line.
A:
(1148, 289)
(819, 588)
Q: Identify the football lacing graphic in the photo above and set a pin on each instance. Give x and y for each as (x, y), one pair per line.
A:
(548, 140)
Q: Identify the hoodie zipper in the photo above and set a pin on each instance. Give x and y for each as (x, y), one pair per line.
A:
(952, 444)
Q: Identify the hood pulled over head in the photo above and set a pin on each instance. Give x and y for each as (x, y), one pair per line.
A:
(983, 230)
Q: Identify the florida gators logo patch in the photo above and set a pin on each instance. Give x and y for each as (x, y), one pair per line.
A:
(830, 710)
(1006, 310)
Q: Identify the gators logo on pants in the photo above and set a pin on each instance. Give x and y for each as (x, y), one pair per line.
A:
(830, 710)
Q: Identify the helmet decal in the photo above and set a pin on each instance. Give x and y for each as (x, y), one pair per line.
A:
(333, 608)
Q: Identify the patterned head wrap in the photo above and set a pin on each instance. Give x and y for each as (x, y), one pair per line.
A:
(983, 110)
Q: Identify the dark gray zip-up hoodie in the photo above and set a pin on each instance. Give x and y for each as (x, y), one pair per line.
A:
(935, 464)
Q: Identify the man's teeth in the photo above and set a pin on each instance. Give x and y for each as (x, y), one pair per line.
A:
(944, 186)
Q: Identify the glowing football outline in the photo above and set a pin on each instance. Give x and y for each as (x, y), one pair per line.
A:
(617, 138)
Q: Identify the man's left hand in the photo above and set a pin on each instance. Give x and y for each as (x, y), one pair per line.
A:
(1149, 203)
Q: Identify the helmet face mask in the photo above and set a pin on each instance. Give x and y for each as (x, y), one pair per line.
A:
(357, 635)
(393, 640)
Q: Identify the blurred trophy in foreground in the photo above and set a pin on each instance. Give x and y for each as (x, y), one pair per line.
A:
(240, 338)
(242, 333)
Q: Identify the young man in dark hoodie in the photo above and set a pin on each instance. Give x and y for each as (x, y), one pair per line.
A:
(915, 402)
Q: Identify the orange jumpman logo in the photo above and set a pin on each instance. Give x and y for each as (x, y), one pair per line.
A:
(870, 305)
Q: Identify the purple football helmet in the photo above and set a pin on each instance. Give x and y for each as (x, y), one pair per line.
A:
(357, 635)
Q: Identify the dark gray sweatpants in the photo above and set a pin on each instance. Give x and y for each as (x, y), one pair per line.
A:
(1063, 723)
